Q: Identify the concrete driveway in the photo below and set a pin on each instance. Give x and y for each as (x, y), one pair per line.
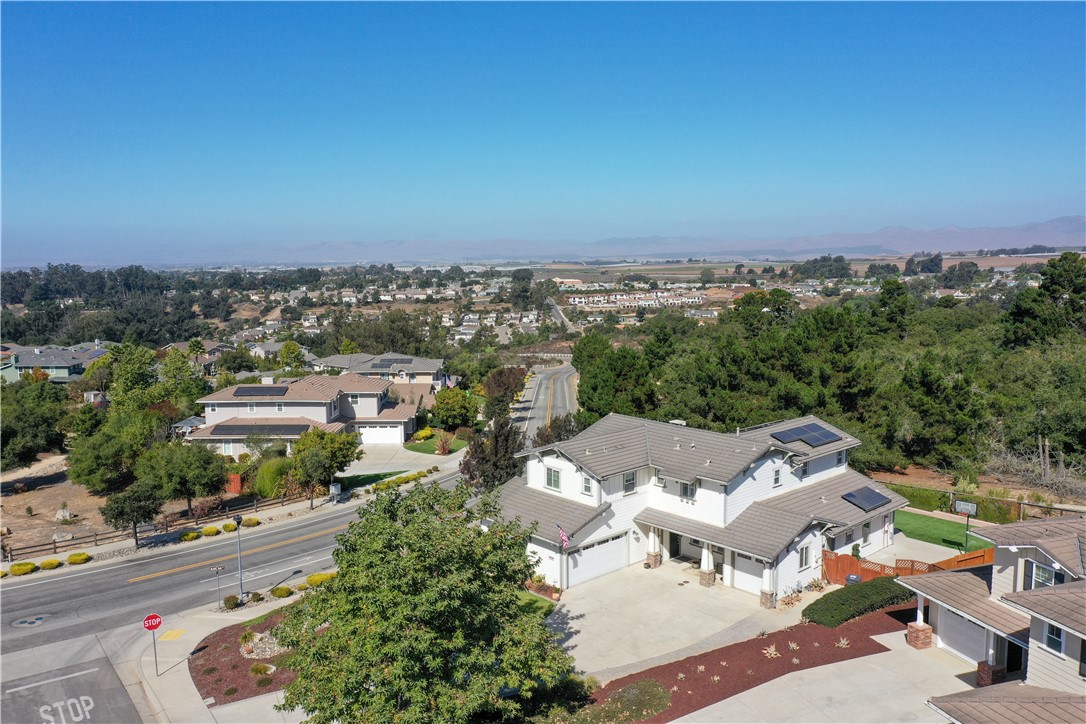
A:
(893, 686)
(391, 458)
(634, 618)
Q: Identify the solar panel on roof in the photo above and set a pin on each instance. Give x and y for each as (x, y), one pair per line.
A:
(246, 430)
(785, 436)
(260, 391)
(866, 498)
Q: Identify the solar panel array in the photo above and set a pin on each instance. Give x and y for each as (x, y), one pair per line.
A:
(387, 363)
(260, 391)
(246, 430)
(812, 433)
(866, 498)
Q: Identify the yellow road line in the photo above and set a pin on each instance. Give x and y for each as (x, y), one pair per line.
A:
(550, 401)
(220, 559)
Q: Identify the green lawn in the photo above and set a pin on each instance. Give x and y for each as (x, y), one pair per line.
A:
(368, 480)
(429, 446)
(937, 531)
(529, 602)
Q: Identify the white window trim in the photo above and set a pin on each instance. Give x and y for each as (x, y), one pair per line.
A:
(1050, 569)
(865, 533)
(696, 542)
(805, 552)
(279, 407)
(212, 407)
(840, 457)
(625, 480)
(1048, 635)
(251, 407)
(557, 477)
(586, 485)
(688, 491)
(777, 478)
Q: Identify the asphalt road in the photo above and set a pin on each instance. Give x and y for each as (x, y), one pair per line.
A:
(551, 393)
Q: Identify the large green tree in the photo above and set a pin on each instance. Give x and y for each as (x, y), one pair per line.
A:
(138, 504)
(453, 408)
(134, 375)
(182, 472)
(105, 461)
(422, 624)
(29, 415)
(491, 457)
(319, 455)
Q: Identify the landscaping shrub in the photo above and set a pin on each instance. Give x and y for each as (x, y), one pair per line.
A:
(231, 602)
(259, 669)
(845, 604)
(301, 587)
(250, 522)
(78, 559)
(265, 681)
(923, 498)
(229, 527)
(231, 691)
(21, 569)
(257, 597)
(50, 564)
(424, 434)
(189, 535)
(268, 482)
(246, 637)
(282, 591)
(317, 579)
(433, 469)
(3, 574)
(466, 434)
(210, 531)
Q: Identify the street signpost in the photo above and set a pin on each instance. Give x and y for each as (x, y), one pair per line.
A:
(151, 622)
(967, 509)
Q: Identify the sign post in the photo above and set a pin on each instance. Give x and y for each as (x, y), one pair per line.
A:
(151, 622)
(968, 509)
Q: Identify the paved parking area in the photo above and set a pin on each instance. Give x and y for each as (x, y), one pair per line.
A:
(911, 549)
(390, 458)
(893, 686)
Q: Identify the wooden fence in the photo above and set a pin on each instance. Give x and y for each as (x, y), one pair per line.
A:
(836, 567)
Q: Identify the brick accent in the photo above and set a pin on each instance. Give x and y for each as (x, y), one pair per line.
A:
(707, 578)
(654, 559)
(987, 674)
(769, 599)
(918, 635)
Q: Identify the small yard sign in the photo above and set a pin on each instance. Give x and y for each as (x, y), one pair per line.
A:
(961, 507)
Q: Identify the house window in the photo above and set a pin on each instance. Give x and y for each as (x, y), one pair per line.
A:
(1038, 575)
(554, 479)
(840, 458)
(228, 448)
(805, 557)
(695, 542)
(777, 478)
(1054, 638)
(586, 486)
(1082, 657)
(252, 407)
(804, 470)
(849, 536)
(353, 399)
(278, 406)
(687, 490)
(629, 483)
(212, 408)
(867, 532)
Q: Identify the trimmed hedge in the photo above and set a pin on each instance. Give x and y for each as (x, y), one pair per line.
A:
(78, 559)
(282, 591)
(269, 477)
(250, 522)
(50, 564)
(993, 511)
(317, 579)
(229, 527)
(189, 535)
(301, 587)
(209, 531)
(847, 603)
(21, 569)
(400, 480)
(922, 498)
(3, 574)
(231, 602)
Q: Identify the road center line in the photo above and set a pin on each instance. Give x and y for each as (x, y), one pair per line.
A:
(50, 681)
(220, 559)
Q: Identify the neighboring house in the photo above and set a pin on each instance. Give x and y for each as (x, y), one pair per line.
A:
(755, 507)
(399, 368)
(283, 411)
(61, 365)
(266, 350)
(988, 615)
(187, 426)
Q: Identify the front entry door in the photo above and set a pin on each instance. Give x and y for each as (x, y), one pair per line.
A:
(1014, 657)
(674, 545)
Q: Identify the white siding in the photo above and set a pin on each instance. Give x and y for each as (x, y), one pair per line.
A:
(368, 405)
(757, 484)
(226, 410)
(1051, 670)
(570, 477)
(1005, 575)
(550, 561)
(821, 468)
(706, 506)
(789, 576)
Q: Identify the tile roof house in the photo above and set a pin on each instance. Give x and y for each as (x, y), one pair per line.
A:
(1021, 617)
(756, 507)
(399, 368)
(286, 409)
(62, 365)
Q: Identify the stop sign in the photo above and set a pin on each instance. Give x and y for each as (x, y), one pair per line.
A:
(152, 622)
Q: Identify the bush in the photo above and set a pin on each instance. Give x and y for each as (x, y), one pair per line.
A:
(21, 569)
(847, 603)
(78, 559)
(3, 574)
(264, 681)
(259, 669)
(189, 535)
(231, 691)
(317, 579)
(257, 597)
(210, 531)
(923, 498)
(282, 591)
(229, 527)
(231, 602)
(424, 434)
(246, 637)
(434, 469)
(301, 587)
(268, 482)
(50, 564)
(466, 434)
(250, 522)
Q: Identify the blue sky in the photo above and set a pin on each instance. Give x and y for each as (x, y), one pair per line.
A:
(205, 132)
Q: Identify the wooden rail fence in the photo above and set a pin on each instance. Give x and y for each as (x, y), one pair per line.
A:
(836, 567)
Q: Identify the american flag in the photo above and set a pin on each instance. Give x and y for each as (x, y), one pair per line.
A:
(562, 535)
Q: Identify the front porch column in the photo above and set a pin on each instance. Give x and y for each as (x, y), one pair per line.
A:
(728, 571)
(769, 596)
(918, 633)
(707, 575)
(654, 557)
(988, 672)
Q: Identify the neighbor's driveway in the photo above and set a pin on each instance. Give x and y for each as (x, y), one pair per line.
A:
(394, 458)
(635, 616)
(893, 686)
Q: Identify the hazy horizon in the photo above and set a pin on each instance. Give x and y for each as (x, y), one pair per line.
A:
(207, 133)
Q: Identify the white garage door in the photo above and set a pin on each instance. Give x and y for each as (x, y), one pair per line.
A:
(748, 573)
(961, 636)
(381, 434)
(596, 559)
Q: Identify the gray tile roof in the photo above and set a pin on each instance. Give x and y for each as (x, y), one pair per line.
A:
(758, 530)
(968, 591)
(1063, 538)
(547, 511)
(415, 364)
(1012, 703)
(824, 503)
(312, 388)
(764, 434)
(343, 361)
(1064, 605)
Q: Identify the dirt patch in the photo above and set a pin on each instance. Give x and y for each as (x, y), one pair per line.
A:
(705, 679)
(922, 477)
(219, 665)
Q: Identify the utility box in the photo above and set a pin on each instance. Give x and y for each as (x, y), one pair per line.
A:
(852, 578)
(334, 491)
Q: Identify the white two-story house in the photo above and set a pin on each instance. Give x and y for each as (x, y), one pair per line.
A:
(755, 507)
(283, 411)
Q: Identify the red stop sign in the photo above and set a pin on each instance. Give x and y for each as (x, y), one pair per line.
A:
(152, 622)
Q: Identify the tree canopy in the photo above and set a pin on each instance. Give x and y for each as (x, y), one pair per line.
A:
(182, 472)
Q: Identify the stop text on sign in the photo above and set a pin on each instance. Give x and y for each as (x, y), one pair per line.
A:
(152, 622)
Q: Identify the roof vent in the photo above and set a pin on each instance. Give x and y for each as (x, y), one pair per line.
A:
(822, 498)
(678, 422)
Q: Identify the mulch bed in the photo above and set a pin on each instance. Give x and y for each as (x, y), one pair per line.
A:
(218, 665)
(705, 679)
